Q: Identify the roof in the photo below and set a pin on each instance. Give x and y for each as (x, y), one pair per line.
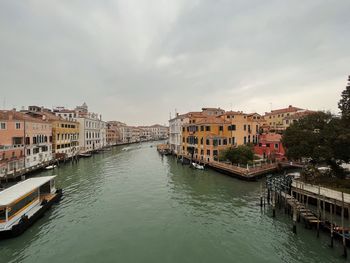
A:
(17, 116)
(299, 115)
(12, 193)
(270, 137)
(284, 110)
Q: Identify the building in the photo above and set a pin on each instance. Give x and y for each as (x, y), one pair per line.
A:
(65, 132)
(113, 134)
(274, 119)
(288, 120)
(270, 146)
(206, 135)
(12, 150)
(175, 132)
(25, 142)
(92, 130)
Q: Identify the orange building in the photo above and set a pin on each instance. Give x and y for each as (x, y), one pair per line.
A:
(206, 135)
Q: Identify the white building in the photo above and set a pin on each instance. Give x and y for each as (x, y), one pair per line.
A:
(92, 130)
(175, 132)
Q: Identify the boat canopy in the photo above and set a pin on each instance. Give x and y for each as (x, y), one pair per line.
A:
(12, 193)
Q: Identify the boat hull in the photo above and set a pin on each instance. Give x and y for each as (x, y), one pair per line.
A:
(23, 225)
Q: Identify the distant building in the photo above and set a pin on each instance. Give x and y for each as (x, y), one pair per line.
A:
(274, 119)
(92, 130)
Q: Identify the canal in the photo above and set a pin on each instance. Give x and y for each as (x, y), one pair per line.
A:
(135, 206)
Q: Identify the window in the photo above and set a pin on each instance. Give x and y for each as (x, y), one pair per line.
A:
(267, 145)
(224, 141)
(207, 142)
(221, 128)
(18, 125)
(232, 127)
(208, 152)
(202, 140)
(245, 140)
(202, 128)
(34, 140)
(207, 128)
(22, 203)
(276, 145)
(2, 125)
(28, 152)
(27, 140)
(233, 140)
(2, 214)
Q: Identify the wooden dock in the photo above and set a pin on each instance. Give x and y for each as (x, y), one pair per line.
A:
(298, 198)
(246, 173)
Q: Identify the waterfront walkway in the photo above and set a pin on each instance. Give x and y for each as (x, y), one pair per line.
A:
(246, 172)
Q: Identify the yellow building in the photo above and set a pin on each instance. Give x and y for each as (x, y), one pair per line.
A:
(65, 138)
(275, 118)
(65, 133)
(205, 136)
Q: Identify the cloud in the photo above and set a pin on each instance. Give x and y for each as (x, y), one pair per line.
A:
(137, 60)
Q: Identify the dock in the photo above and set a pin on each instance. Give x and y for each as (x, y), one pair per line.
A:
(246, 172)
(308, 204)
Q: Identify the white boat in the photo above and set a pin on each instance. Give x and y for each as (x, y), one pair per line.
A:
(198, 166)
(23, 203)
(84, 155)
(50, 167)
(295, 175)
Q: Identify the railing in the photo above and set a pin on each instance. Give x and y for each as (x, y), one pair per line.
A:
(318, 190)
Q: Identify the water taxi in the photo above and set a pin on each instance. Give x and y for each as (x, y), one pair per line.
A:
(22, 204)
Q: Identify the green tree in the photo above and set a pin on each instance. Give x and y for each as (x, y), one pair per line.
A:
(241, 154)
(344, 103)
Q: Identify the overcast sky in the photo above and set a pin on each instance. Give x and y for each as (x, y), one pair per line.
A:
(135, 61)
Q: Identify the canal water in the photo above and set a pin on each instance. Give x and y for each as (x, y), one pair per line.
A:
(135, 206)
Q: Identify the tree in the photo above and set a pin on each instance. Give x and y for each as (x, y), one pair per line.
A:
(241, 154)
(344, 103)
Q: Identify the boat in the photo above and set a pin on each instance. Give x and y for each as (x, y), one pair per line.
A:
(198, 166)
(24, 203)
(85, 155)
(295, 175)
(50, 167)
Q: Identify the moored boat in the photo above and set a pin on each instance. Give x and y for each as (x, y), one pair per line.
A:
(22, 204)
(50, 167)
(198, 166)
(85, 155)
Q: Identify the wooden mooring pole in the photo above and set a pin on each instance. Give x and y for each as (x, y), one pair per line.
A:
(273, 204)
(318, 213)
(294, 219)
(331, 212)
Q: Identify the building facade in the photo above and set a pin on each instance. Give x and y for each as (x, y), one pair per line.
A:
(12, 150)
(65, 132)
(205, 136)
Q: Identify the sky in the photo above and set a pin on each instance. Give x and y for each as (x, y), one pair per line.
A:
(140, 61)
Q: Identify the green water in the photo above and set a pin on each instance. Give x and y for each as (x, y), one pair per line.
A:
(135, 206)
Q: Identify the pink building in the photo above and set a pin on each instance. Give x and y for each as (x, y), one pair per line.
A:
(270, 146)
(24, 141)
